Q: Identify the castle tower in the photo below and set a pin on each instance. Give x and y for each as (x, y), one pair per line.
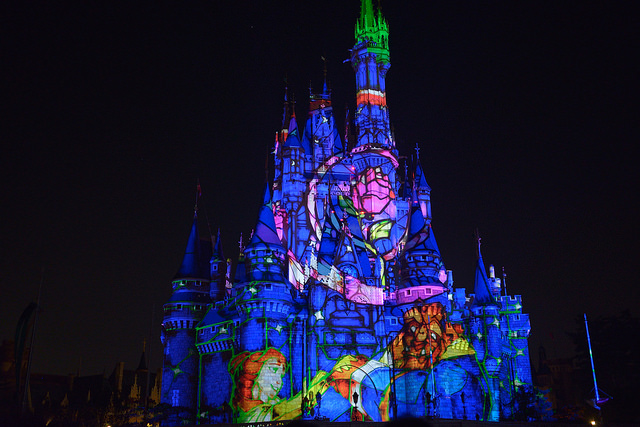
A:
(290, 215)
(486, 337)
(422, 188)
(320, 133)
(422, 272)
(182, 312)
(374, 156)
(370, 61)
(264, 298)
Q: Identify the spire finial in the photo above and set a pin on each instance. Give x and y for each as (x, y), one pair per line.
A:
(325, 90)
(417, 152)
(479, 240)
(198, 196)
(406, 171)
(286, 102)
(241, 244)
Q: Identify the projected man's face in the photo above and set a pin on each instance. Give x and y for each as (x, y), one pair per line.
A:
(420, 343)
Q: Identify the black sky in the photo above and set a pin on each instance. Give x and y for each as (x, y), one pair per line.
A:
(525, 112)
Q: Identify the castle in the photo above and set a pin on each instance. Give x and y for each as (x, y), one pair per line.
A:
(340, 307)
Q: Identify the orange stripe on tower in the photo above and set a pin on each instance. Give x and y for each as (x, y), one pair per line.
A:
(371, 97)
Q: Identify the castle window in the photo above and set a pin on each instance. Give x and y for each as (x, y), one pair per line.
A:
(198, 283)
(268, 286)
(393, 321)
(175, 398)
(179, 307)
(408, 292)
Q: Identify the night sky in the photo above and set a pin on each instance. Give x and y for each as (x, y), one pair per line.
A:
(525, 112)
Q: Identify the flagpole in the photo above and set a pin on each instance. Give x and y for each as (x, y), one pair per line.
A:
(593, 369)
(33, 334)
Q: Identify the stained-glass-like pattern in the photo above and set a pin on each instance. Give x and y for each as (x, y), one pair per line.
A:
(340, 306)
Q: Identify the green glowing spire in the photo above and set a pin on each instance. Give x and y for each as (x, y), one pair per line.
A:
(372, 26)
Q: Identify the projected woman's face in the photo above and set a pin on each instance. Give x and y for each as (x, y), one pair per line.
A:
(269, 381)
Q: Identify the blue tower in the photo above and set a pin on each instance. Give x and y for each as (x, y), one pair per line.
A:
(187, 306)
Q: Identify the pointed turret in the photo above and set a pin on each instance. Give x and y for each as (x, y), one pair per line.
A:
(182, 312)
(423, 191)
(321, 139)
(265, 232)
(483, 295)
(142, 365)
(293, 136)
(265, 254)
(193, 262)
(264, 298)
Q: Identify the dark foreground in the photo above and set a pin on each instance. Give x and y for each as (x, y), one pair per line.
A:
(418, 423)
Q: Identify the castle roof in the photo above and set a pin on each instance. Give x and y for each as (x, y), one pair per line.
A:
(421, 181)
(483, 296)
(142, 366)
(418, 229)
(293, 137)
(265, 232)
(212, 318)
(217, 249)
(336, 142)
(195, 263)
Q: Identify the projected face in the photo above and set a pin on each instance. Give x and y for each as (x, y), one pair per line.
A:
(257, 378)
(420, 343)
(268, 383)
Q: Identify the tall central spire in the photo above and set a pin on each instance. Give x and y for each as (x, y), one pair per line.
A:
(372, 26)
(370, 61)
